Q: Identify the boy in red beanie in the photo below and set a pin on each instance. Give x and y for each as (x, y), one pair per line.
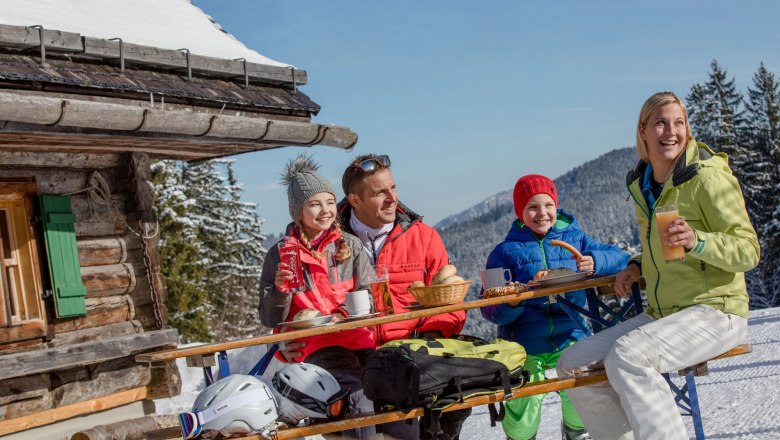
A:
(544, 328)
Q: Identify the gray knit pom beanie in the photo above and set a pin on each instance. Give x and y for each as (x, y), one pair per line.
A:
(303, 181)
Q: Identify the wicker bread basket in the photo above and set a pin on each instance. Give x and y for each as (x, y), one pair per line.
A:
(440, 294)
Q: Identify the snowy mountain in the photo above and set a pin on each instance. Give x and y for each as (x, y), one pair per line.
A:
(739, 399)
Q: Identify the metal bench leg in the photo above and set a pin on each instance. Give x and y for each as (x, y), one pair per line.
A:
(594, 308)
(224, 364)
(208, 376)
(698, 427)
(688, 401)
(264, 361)
(204, 361)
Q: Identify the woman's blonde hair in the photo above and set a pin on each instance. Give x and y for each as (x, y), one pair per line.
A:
(659, 99)
(343, 252)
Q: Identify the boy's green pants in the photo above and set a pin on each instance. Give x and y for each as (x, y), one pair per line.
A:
(523, 415)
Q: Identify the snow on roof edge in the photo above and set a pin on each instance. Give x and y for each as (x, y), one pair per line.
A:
(168, 24)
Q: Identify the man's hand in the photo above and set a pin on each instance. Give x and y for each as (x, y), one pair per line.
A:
(625, 279)
(292, 350)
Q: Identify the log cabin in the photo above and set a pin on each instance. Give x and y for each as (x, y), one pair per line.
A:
(91, 93)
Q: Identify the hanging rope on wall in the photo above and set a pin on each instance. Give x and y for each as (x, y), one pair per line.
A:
(98, 192)
(99, 195)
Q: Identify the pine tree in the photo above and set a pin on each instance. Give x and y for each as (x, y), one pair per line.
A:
(235, 308)
(211, 250)
(762, 174)
(717, 118)
(763, 107)
(701, 107)
(716, 113)
(180, 255)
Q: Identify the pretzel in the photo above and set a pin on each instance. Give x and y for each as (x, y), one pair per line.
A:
(566, 246)
(510, 289)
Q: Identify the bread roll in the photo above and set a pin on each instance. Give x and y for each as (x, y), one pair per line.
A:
(453, 279)
(542, 274)
(307, 314)
(444, 273)
(417, 284)
(552, 273)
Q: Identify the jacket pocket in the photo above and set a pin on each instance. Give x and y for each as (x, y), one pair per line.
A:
(407, 272)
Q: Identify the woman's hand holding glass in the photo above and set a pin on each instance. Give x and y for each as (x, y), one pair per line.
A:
(679, 233)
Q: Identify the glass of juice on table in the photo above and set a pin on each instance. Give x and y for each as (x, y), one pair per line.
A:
(378, 278)
(665, 215)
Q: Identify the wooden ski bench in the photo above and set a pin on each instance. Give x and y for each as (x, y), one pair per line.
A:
(533, 388)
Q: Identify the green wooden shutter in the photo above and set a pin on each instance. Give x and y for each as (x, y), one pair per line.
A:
(64, 269)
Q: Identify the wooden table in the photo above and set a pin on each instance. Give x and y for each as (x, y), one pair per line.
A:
(210, 349)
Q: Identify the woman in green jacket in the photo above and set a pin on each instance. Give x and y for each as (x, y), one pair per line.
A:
(697, 308)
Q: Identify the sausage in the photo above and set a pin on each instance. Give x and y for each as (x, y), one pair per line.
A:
(566, 246)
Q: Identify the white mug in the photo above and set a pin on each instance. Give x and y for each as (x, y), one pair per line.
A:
(358, 302)
(496, 277)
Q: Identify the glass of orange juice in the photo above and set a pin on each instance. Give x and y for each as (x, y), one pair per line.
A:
(665, 215)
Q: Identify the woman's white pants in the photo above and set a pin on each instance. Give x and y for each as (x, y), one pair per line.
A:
(636, 402)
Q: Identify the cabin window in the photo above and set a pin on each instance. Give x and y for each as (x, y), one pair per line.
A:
(22, 315)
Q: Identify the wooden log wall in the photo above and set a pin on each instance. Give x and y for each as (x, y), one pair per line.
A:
(119, 301)
(112, 263)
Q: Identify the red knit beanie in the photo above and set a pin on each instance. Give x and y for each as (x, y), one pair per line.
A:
(529, 186)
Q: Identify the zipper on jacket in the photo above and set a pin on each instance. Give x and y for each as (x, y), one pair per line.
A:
(335, 266)
(551, 330)
(650, 222)
(548, 306)
(544, 254)
(650, 216)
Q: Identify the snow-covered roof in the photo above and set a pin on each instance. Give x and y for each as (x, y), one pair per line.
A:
(168, 24)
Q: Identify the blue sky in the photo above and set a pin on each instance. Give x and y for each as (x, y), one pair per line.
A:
(468, 96)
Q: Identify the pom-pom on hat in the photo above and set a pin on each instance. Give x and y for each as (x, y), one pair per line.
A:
(529, 186)
(303, 181)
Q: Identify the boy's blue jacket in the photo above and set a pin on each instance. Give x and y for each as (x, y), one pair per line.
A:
(536, 324)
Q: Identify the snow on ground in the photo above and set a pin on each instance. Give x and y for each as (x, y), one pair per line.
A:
(739, 399)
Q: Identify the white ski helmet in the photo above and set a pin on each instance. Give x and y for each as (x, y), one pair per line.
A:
(237, 404)
(307, 391)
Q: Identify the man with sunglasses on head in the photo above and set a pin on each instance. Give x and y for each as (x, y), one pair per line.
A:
(396, 237)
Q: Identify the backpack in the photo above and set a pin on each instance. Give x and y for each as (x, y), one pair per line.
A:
(436, 373)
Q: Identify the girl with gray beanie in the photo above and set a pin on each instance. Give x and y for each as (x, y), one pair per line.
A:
(333, 264)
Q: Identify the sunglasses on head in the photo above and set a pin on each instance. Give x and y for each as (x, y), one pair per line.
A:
(371, 164)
